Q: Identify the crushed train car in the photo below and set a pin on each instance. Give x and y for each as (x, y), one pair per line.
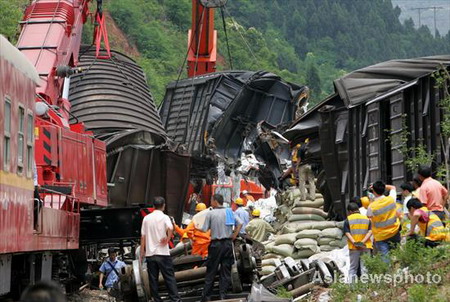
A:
(215, 117)
(358, 127)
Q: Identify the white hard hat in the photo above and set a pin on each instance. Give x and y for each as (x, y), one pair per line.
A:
(187, 221)
(245, 192)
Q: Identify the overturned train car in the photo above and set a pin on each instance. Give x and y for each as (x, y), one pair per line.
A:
(217, 117)
(112, 99)
(359, 128)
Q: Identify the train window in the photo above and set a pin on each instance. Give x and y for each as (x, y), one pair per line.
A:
(30, 154)
(20, 140)
(7, 135)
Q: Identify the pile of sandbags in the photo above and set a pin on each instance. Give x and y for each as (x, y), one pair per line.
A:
(302, 227)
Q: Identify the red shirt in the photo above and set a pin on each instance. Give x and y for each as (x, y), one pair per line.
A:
(432, 194)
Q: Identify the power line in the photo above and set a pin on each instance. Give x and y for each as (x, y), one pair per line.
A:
(434, 8)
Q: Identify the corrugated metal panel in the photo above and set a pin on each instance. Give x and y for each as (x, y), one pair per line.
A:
(214, 114)
(373, 131)
(112, 95)
(398, 172)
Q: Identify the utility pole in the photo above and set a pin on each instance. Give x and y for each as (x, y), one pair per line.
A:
(419, 10)
(434, 8)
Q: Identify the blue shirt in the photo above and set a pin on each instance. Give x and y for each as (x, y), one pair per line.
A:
(244, 216)
(111, 276)
(215, 221)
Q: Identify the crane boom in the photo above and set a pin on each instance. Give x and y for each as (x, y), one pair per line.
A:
(202, 38)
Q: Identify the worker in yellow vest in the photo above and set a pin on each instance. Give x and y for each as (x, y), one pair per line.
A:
(385, 218)
(430, 224)
(358, 230)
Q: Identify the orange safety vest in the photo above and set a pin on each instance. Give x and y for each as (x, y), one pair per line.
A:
(200, 240)
(359, 227)
(434, 230)
(385, 223)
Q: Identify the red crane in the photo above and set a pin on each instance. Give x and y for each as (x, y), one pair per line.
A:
(202, 38)
(70, 162)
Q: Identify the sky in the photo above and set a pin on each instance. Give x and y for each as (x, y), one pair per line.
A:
(427, 15)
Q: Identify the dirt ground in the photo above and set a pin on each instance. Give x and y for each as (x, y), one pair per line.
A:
(88, 295)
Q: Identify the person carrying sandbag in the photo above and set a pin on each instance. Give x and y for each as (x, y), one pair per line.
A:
(358, 230)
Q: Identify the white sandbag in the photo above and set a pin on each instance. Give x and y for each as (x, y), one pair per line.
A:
(308, 204)
(313, 234)
(267, 270)
(302, 217)
(289, 228)
(305, 243)
(339, 243)
(332, 232)
(295, 193)
(326, 248)
(285, 250)
(270, 256)
(284, 210)
(268, 247)
(324, 240)
(303, 254)
(271, 262)
(315, 225)
(301, 210)
(340, 225)
(286, 239)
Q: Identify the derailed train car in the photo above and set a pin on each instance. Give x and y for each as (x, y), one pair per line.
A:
(217, 117)
(359, 127)
(112, 99)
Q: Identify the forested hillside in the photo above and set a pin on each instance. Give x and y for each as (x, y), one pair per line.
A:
(306, 41)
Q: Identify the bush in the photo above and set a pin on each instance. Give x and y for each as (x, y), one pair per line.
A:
(375, 264)
(420, 293)
(416, 257)
(283, 293)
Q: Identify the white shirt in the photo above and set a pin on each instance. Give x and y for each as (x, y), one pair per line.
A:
(405, 203)
(363, 211)
(154, 228)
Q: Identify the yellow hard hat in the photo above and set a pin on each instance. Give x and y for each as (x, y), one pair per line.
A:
(365, 201)
(200, 207)
(239, 201)
(307, 140)
(256, 213)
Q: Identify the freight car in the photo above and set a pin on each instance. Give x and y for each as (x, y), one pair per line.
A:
(359, 127)
(216, 116)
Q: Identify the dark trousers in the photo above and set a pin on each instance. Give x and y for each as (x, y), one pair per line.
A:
(163, 264)
(220, 254)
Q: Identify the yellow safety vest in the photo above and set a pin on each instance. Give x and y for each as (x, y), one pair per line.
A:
(359, 227)
(435, 230)
(385, 223)
(294, 154)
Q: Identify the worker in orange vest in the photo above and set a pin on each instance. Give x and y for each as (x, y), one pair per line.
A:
(200, 240)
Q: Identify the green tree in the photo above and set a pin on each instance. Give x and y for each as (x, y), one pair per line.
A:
(11, 13)
(313, 82)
